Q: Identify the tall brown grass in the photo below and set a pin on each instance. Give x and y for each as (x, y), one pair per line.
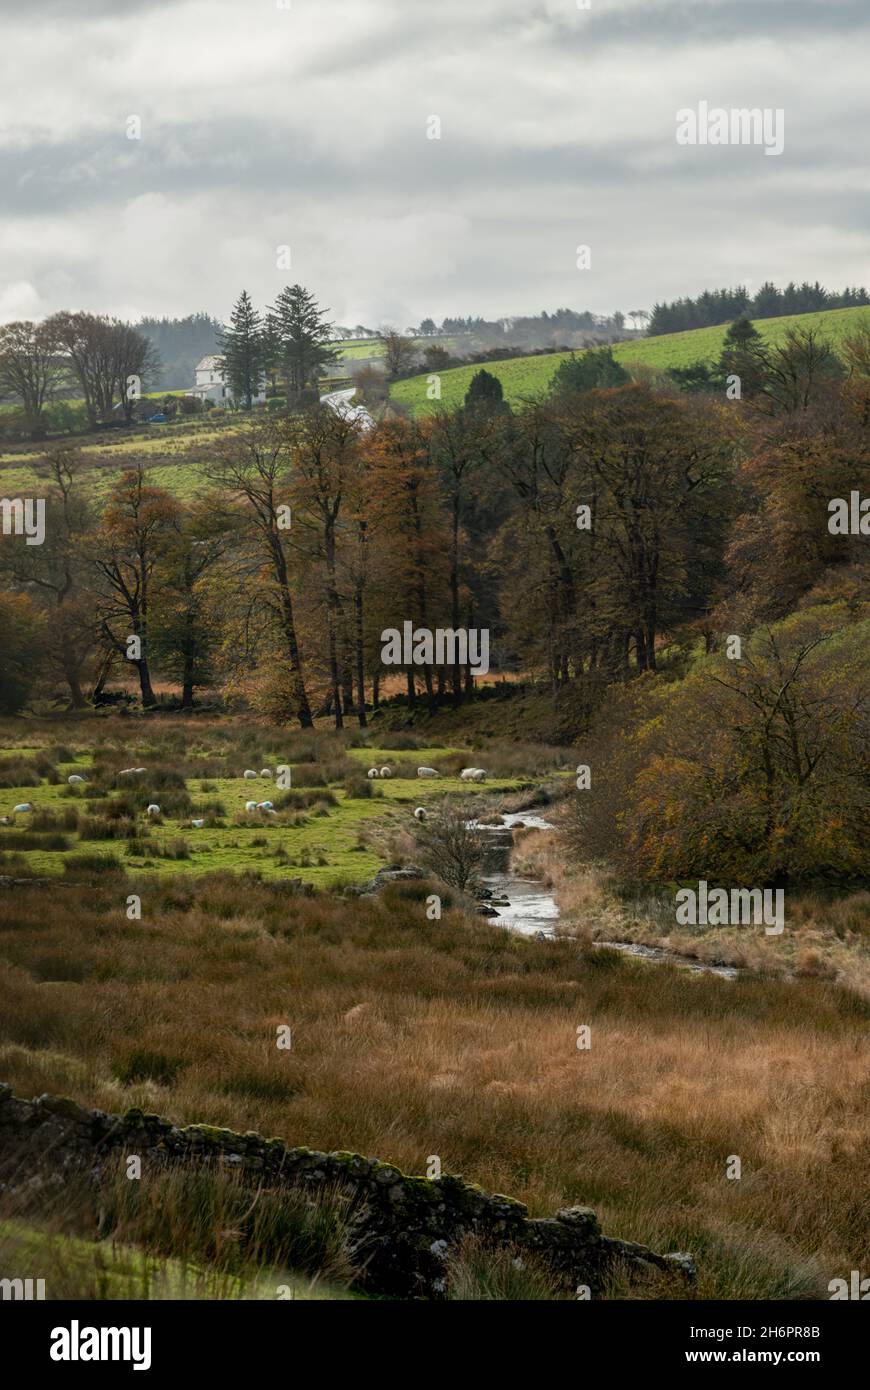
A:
(453, 1038)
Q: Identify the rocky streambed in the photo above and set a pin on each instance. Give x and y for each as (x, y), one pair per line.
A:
(527, 906)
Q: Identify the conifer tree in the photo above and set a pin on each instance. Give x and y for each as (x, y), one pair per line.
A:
(303, 337)
(740, 357)
(242, 351)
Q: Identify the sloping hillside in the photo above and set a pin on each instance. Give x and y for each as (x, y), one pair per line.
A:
(523, 377)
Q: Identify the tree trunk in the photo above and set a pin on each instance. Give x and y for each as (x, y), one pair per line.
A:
(288, 623)
(360, 656)
(454, 595)
(145, 687)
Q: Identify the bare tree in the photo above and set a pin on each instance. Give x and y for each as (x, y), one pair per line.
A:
(133, 539)
(31, 369)
(136, 364)
(452, 846)
(253, 472)
(400, 352)
(90, 347)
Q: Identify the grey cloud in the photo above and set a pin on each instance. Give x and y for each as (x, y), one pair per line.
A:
(558, 128)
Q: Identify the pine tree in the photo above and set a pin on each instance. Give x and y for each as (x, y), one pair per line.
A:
(740, 357)
(594, 370)
(303, 335)
(242, 351)
(485, 392)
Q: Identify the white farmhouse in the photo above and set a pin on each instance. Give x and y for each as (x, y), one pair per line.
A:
(212, 385)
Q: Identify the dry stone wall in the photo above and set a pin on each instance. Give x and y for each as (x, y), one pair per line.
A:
(406, 1226)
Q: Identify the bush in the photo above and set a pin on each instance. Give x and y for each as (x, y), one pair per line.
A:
(144, 1065)
(358, 787)
(91, 864)
(450, 847)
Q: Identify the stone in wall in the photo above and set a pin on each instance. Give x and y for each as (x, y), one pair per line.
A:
(403, 1228)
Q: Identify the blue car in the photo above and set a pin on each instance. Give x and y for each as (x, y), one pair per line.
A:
(159, 419)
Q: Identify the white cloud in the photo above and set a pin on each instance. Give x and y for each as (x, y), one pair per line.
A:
(307, 126)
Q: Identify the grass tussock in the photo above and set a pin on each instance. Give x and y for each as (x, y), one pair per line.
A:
(477, 1030)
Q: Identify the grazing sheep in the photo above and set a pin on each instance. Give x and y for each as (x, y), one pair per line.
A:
(153, 809)
(197, 824)
(5, 820)
(74, 779)
(420, 813)
(472, 774)
(250, 805)
(426, 772)
(373, 772)
(265, 772)
(22, 806)
(249, 773)
(264, 806)
(386, 772)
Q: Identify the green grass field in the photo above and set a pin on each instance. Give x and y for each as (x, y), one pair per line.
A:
(526, 378)
(325, 840)
(174, 451)
(359, 348)
(108, 1269)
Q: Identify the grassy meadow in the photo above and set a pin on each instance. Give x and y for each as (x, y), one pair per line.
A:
(172, 453)
(415, 1037)
(411, 1037)
(526, 378)
(330, 828)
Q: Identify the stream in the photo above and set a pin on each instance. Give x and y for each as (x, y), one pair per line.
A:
(525, 905)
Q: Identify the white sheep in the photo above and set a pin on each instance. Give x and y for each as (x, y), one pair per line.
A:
(22, 807)
(265, 772)
(153, 809)
(373, 772)
(472, 774)
(250, 805)
(426, 772)
(264, 806)
(249, 773)
(74, 778)
(420, 813)
(197, 824)
(386, 772)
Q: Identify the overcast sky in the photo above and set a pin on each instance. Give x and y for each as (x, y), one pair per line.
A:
(307, 126)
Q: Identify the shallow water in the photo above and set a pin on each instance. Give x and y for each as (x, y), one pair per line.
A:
(532, 911)
(658, 953)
